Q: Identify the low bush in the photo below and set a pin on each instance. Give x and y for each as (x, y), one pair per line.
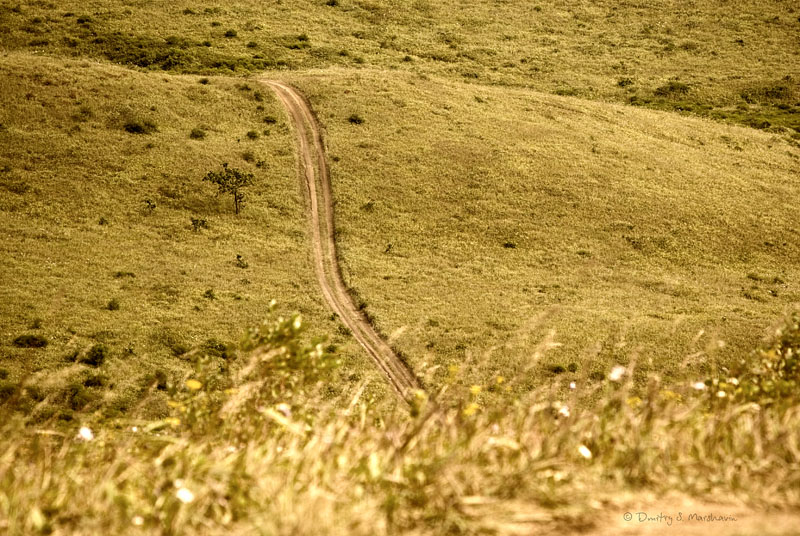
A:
(7, 390)
(199, 223)
(30, 341)
(95, 356)
(770, 375)
(137, 126)
(671, 89)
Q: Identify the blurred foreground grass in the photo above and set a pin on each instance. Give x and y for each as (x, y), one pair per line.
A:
(252, 448)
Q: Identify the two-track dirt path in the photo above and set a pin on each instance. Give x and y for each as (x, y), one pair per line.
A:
(314, 171)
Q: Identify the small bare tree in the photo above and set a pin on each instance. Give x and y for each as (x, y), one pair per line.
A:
(231, 181)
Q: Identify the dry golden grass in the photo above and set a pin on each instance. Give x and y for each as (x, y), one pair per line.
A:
(737, 59)
(68, 162)
(639, 234)
(255, 449)
(507, 240)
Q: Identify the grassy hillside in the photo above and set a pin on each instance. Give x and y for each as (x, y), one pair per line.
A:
(736, 60)
(475, 220)
(98, 243)
(575, 221)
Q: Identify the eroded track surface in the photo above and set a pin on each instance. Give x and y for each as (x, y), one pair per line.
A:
(316, 177)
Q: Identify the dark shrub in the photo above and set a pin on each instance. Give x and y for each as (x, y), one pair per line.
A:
(30, 341)
(135, 126)
(77, 396)
(355, 119)
(96, 355)
(671, 89)
(197, 134)
(161, 380)
(95, 380)
(7, 390)
(199, 223)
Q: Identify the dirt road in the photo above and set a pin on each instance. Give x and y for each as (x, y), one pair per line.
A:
(314, 171)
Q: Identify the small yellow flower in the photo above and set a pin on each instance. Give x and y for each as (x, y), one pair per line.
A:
(173, 421)
(500, 380)
(194, 385)
(471, 409)
(475, 390)
(670, 395)
(633, 401)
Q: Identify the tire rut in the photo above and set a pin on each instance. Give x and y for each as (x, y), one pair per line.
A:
(316, 177)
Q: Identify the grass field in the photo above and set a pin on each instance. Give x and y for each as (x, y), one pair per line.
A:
(466, 214)
(528, 195)
(735, 60)
(99, 246)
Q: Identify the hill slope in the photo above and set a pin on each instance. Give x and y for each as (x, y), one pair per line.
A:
(465, 213)
(98, 243)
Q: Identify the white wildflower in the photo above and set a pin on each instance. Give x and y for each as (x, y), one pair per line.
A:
(733, 381)
(584, 451)
(698, 386)
(138, 521)
(85, 434)
(564, 411)
(572, 385)
(721, 394)
(184, 495)
(616, 373)
(285, 409)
